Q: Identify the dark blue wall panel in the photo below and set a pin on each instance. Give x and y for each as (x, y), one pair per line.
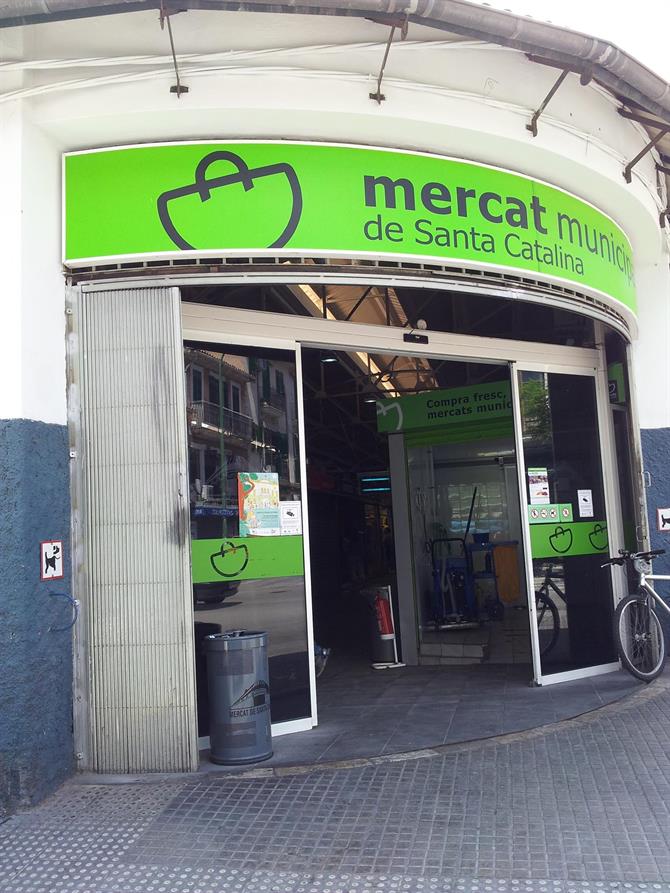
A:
(656, 456)
(36, 750)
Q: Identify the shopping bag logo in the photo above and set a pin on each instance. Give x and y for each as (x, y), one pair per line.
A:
(230, 560)
(598, 537)
(185, 227)
(561, 540)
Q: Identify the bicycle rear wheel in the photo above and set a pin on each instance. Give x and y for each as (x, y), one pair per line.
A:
(548, 621)
(639, 637)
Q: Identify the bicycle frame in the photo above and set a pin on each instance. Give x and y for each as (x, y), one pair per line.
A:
(650, 589)
(548, 584)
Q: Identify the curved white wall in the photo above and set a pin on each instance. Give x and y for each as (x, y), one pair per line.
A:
(301, 77)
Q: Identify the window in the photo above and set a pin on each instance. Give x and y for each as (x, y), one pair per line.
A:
(247, 570)
(265, 382)
(279, 378)
(235, 397)
(213, 382)
(196, 385)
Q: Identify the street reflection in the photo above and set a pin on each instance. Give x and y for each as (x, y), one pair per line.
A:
(244, 493)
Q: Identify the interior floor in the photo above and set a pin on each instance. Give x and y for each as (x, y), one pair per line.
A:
(502, 641)
(369, 713)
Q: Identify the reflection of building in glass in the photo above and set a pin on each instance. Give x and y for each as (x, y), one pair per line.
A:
(242, 417)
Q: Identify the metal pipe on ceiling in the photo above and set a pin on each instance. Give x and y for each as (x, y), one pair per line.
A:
(614, 68)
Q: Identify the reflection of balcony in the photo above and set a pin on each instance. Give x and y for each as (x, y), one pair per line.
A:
(274, 399)
(284, 469)
(220, 419)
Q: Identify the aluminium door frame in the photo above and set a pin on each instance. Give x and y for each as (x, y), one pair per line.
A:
(235, 339)
(339, 335)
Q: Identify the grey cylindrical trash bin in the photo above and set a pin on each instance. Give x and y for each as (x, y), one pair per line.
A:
(239, 697)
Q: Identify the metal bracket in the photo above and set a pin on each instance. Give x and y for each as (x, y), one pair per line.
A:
(532, 127)
(401, 22)
(632, 115)
(75, 612)
(585, 73)
(627, 171)
(164, 18)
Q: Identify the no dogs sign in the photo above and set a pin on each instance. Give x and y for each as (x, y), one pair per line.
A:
(51, 560)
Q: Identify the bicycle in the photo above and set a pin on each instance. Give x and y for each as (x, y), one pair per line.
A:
(637, 629)
(548, 619)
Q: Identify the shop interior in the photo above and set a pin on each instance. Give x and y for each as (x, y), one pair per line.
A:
(414, 510)
(454, 463)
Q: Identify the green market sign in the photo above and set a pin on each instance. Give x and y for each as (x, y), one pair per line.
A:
(288, 198)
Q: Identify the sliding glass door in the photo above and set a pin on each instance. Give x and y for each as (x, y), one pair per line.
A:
(245, 494)
(567, 526)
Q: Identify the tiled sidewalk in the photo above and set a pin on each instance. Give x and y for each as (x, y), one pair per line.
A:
(364, 712)
(582, 806)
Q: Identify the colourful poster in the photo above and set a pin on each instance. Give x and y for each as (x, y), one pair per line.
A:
(258, 500)
(538, 486)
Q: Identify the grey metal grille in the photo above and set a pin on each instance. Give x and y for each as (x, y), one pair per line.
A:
(308, 269)
(137, 600)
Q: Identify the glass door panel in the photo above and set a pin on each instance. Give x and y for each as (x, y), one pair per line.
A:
(565, 504)
(246, 527)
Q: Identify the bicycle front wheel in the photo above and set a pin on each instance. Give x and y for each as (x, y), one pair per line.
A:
(548, 622)
(640, 637)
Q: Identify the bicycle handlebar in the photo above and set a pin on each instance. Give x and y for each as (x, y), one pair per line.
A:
(625, 556)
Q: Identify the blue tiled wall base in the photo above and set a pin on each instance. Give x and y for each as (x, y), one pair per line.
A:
(36, 751)
(656, 455)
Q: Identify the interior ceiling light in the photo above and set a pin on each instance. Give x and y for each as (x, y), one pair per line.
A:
(329, 358)
(361, 358)
(365, 363)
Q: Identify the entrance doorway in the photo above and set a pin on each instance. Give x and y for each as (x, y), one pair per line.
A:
(241, 426)
(412, 483)
(412, 470)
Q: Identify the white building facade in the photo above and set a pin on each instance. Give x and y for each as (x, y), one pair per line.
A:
(460, 83)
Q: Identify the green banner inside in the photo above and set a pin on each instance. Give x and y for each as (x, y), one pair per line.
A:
(462, 410)
(286, 197)
(494, 429)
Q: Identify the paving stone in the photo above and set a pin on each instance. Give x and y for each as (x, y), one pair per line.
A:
(579, 807)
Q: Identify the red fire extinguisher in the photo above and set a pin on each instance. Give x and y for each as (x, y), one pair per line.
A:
(384, 616)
